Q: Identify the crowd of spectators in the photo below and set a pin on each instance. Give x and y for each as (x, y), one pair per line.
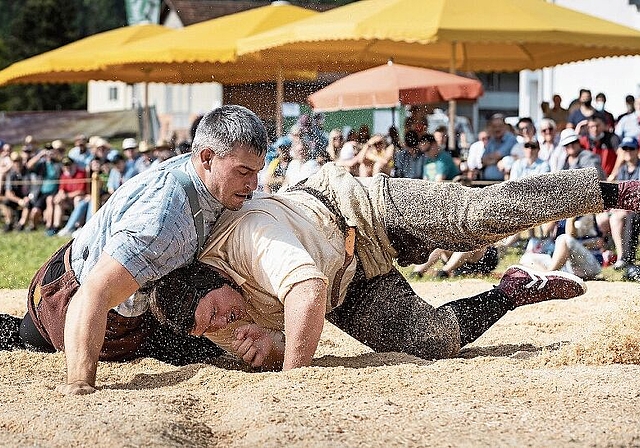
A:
(582, 135)
(48, 185)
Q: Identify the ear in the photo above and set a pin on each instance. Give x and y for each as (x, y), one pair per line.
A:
(205, 157)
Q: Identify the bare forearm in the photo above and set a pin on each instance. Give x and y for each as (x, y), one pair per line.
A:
(304, 311)
(107, 285)
(83, 339)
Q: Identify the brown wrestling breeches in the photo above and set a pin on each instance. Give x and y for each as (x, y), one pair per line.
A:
(48, 299)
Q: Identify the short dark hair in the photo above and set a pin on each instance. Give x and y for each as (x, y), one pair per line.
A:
(427, 138)
(411, 139)
(173, 299)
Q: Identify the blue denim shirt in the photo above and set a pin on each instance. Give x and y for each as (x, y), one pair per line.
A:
(146, 225)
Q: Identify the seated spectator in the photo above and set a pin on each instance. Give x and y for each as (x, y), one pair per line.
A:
(575, 156)
(301, 165)
(277, 169)
(442, 140)
(550, 151)
(318, 138)
(130, 152)
(526, 130)
(72, 189)
(163, 150)
(629, 101)
(625, 226)
(530, 164)
(47, 167)
(438, 164)
(474, 159)
(83, 209)
(376, 157)
(16, 201)
(577, 249)
(583, 111)
(500, 143)
(143, 163)
(5, 165)
(394, 138)
(599, 106)
(629, 124)
(336, 140)
(602, 142)
(408, 162)
(116, 173)
(348, 157)
(80, 153)
(478, 262)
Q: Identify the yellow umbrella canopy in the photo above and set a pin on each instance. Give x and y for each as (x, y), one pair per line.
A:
(79, 61)
(470, 35)
(206, 51)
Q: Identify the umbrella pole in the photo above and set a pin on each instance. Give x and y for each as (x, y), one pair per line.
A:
(145, 115)
(452, 103)
(279, 101)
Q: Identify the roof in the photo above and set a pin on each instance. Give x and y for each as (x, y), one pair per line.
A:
(194, 11)
(64, 125)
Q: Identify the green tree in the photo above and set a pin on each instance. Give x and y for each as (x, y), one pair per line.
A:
(37, 26)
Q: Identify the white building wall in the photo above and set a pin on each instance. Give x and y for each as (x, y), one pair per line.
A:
(616, 77)
(176, 104)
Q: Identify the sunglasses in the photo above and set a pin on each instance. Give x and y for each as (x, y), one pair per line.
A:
(546, 130)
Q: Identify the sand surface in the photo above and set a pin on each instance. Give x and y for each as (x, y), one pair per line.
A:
(557, 374)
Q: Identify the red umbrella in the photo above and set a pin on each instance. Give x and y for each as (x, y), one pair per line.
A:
(392, 84)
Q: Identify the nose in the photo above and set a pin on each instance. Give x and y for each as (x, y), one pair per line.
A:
(252, 184)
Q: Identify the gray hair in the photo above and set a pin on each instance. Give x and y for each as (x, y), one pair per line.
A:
(223, 128)
(547, 123)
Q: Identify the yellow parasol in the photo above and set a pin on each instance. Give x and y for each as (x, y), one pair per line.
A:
(468, 35)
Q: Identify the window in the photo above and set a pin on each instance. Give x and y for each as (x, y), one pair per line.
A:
(113, 94)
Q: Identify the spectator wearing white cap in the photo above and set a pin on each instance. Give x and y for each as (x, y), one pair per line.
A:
(131, 155)
(575, 155)
(143, 163)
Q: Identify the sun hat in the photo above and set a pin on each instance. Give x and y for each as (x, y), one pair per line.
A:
(129, 143)
(568, 136)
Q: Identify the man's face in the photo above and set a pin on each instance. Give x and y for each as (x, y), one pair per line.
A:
(548, 133)
(585, 98)
(217, 309)
(596, 127)
(526, 130)
(630, 155)
(231, 179)
(573, 149)
(497, 128)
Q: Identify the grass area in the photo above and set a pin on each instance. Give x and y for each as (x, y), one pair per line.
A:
(21, 254)
(512, 256)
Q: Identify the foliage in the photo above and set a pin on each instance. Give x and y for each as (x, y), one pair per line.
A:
(22, 254)
(35, 26)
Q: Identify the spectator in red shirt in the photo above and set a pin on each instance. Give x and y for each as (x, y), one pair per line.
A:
(602, 142)
(73, 187)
